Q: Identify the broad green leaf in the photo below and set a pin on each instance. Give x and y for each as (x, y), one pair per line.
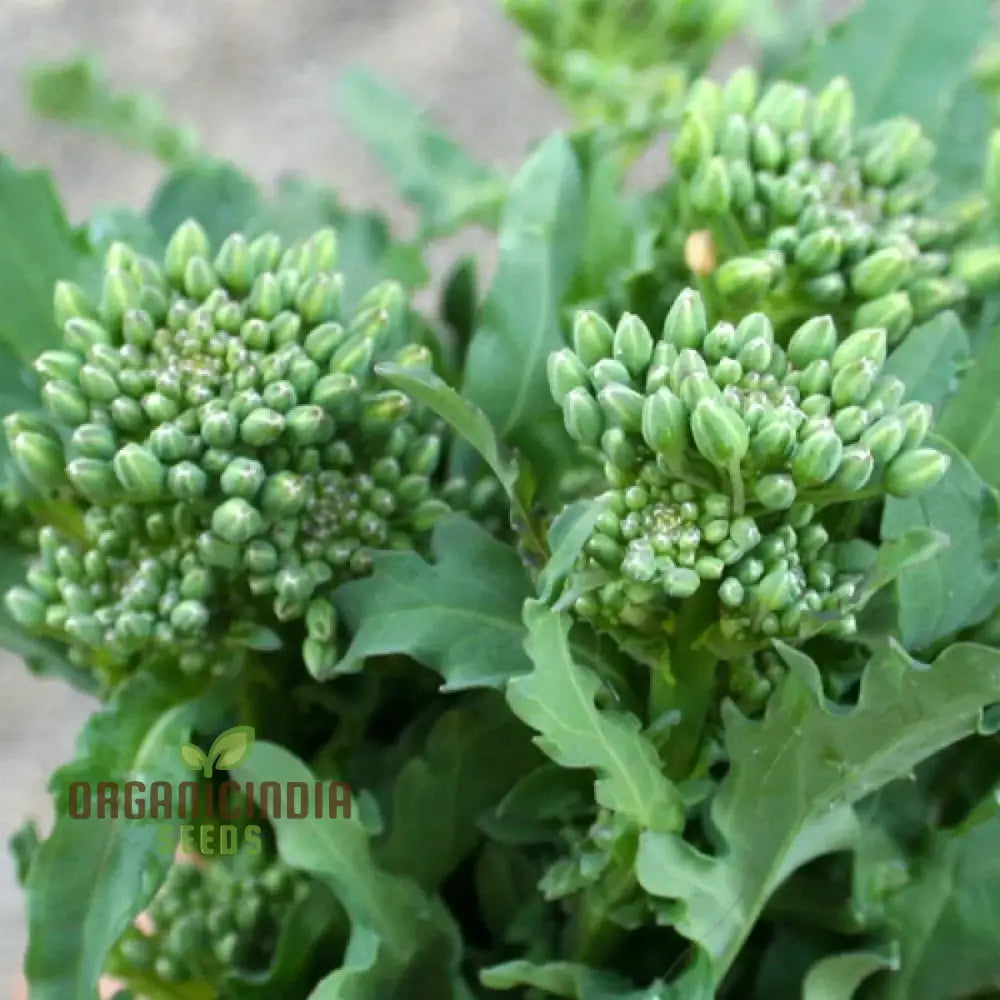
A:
(37, 248)
(231, 747)
(796, 774)
(77, 92)
(896, 555)
(971, 420)
(959, 586)
(217, 194)
(473, 756)
(930, 358)
(427, 167)
(945, 919)
(838, 977)
(475, 428)
(403, 942)
(557, 700)
(459, 614)
(91, 877)
(541, 236)
(908, 59)
(579, 982)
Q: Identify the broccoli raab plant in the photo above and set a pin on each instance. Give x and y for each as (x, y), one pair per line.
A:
(646, 599)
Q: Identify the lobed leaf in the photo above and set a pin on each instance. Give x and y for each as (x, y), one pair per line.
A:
(557, 700)
(459, 614)
(796, 774)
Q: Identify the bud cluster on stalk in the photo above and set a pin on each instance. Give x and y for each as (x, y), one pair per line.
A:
(720, 449)
(808, 213)
(208, 921)
(622, 64)
(219, 420)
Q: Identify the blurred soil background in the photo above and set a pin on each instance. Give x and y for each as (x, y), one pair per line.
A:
(256, 79)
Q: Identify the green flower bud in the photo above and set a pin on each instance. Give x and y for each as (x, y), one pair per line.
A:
(169, 443)
(566, 372)
(893, 313)
(816, 378)
(693, 145)
(95, 441)
(609, 372)
(309, 424)
(622, 406)
(40, 460)
(816, 459)
(744, 279)
(236, 521)
(816, 339)
(881, 273)
(354, 357)
(583, 417)
(318, 656)
(139, 472)
(62, 365)
(69, 301)
(916, 419)
(319, 298)
(681, 583)
(265, 299)
(242, 477)
(593, 338)
(633, 344)
(321, 342)
(321, 620)
(189, 240)
(97, 384)
(819, 252)
(933, 295)
(915, 471)
(884, 439)
(686, 324)
(719, 433)
(187, 481)
(768, 150)
(233, 264)
(711, 190)
(773, 443)
(739, 95)
(852, 384)
(94, 480)
(82, 334)
(262, 427)
(220, 429)
(865, 344)
(199, 279)
(189, 617)
(978, 268)
(777, 590)
(775, 492)
(731, 592)
(756, 355)
(734, 138)
(886, 396)
(284, 495)
(66, 403)
(620, 451)
(833, 109)
(119, 294)
(26, 608)
(709, 568)
(850, 422)
(695, 387)
(664, 422)
(159, 408)
(335, 393)
(856, 468)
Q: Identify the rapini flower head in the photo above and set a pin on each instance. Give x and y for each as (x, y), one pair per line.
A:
(228, 439)
(809, 213)
(720, 446)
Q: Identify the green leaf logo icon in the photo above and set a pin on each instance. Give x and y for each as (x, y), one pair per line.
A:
(227, 751)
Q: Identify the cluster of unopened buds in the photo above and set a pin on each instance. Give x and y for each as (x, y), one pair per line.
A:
(720, 450)
(787, 204)
(218, 419)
